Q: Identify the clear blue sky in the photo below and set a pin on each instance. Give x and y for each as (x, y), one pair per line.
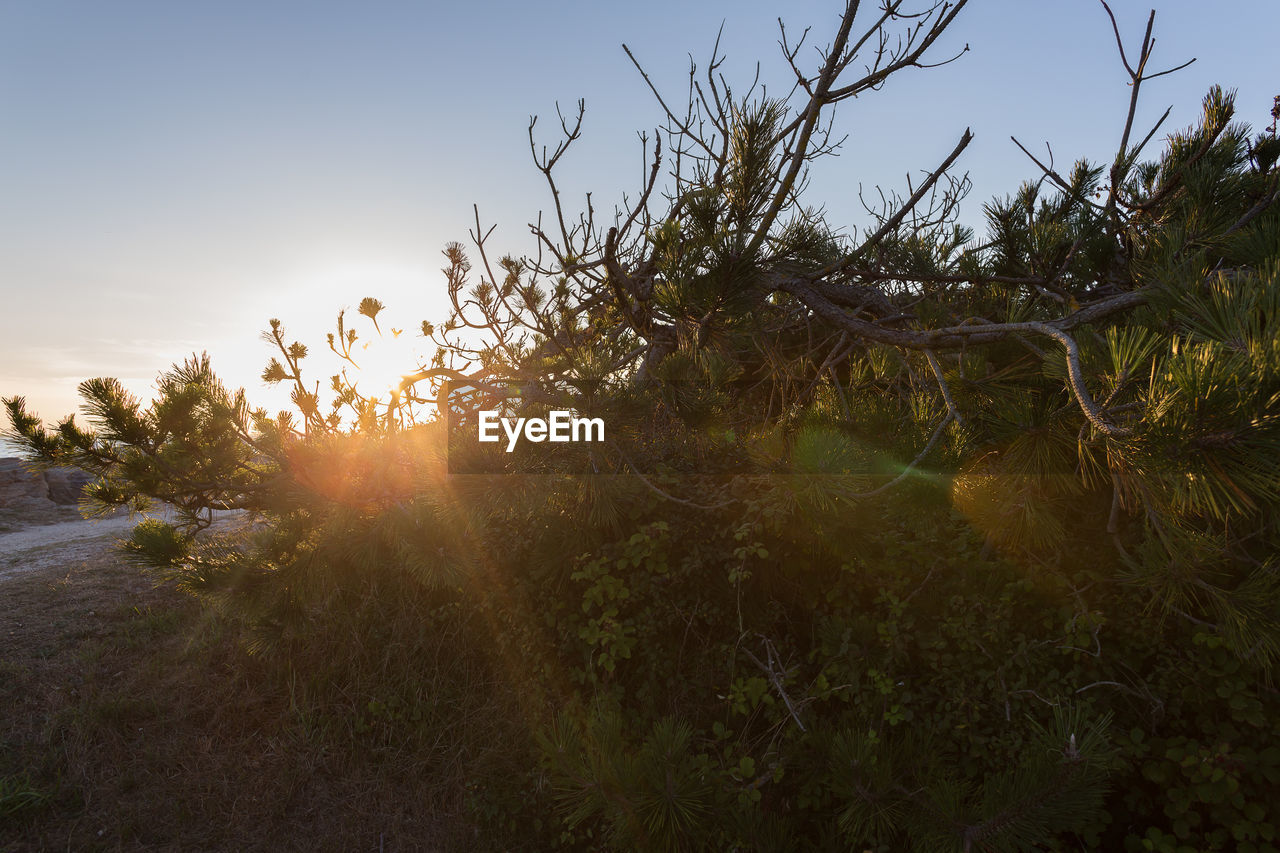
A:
(173, 174)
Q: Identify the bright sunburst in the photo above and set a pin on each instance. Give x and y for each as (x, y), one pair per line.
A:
(383, 359)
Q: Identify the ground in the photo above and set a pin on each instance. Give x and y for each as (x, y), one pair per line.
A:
(133, 719)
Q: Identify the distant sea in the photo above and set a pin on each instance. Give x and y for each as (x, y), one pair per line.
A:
(8, 448)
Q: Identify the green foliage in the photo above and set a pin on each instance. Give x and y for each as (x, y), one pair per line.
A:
(657, 795)
(18, 797)
(911, 541)
(157, 543)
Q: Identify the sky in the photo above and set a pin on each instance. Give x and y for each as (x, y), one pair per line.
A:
(174, 174)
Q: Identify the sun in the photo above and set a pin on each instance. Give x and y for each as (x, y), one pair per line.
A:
(383, 359)
(377, 339)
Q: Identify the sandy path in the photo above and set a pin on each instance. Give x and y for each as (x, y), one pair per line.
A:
(64, 531)
(66, 542)
(49, 545)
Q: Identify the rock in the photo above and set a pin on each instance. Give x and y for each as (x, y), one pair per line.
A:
(21, 489)
(66, 484)
(28, 490)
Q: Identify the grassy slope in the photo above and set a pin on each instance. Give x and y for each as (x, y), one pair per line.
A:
(130, 720)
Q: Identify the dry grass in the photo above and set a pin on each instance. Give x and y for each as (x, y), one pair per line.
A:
(132, 720)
